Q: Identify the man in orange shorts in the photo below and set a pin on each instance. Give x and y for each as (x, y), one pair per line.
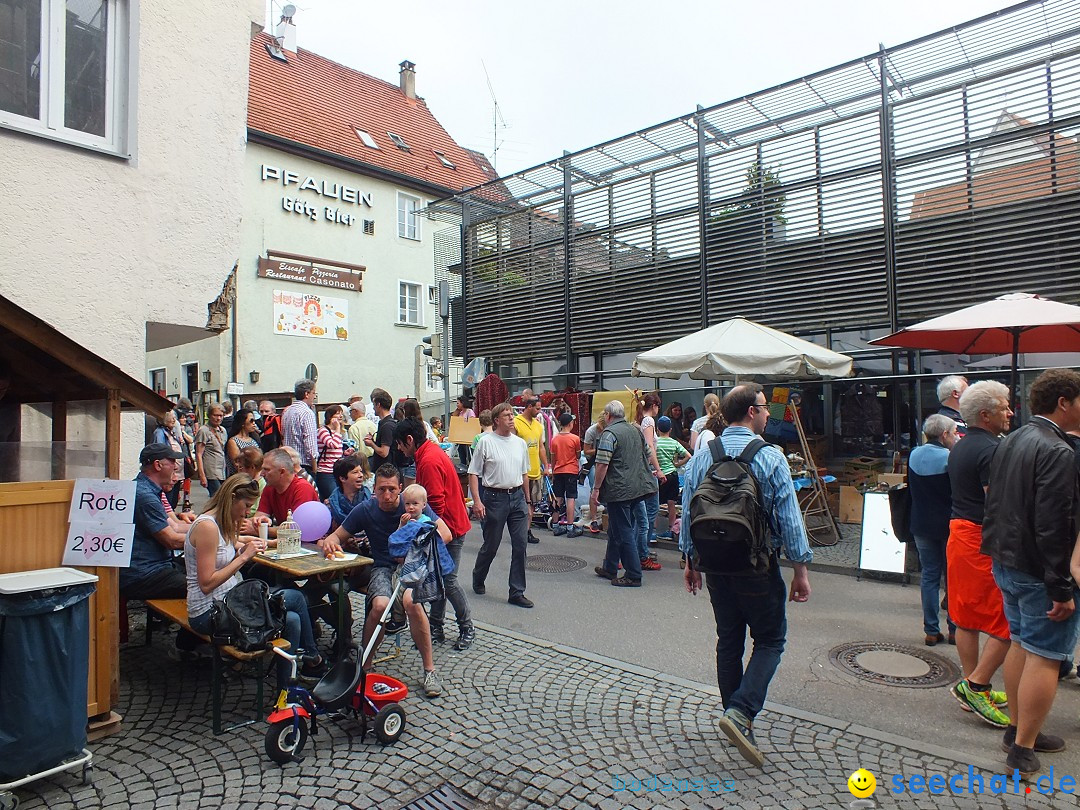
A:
(975, 604)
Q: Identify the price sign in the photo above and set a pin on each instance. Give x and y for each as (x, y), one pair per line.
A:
(96, 500)
(102, 544)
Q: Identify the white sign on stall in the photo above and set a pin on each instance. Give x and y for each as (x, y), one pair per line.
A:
(880, 550)
(100, 544)
(102, 500)
(101, 523)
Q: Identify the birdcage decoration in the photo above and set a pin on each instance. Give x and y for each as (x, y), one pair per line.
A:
(288, 536)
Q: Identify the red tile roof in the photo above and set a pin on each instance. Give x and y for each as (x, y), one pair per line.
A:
(319, 103)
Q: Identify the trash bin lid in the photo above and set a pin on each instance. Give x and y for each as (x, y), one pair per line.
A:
(23, 581)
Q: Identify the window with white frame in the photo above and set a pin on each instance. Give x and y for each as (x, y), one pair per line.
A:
(433, 380)
(410, 311)
(408, 220)
(63, 70)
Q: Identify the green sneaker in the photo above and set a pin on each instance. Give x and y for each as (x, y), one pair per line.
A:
(980, 703)
(997, 697)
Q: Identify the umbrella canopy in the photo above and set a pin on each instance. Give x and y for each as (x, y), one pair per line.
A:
(1010, 323)
(1014, 323)
(742, 348)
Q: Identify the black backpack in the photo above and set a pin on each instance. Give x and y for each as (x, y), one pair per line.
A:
(728, 525)
(249, 617)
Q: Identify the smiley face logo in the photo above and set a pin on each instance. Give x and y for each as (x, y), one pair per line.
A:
(862, 784)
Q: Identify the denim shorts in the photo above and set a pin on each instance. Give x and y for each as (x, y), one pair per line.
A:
(1026, 603)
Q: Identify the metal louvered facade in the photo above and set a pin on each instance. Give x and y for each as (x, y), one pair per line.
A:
(892, 188)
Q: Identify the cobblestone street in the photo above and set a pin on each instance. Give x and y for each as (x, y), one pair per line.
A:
(523, 723)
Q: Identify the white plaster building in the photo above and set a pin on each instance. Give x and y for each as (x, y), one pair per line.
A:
(336, 269)
(123, 183)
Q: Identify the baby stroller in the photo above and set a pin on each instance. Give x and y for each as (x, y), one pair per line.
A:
(545, 512)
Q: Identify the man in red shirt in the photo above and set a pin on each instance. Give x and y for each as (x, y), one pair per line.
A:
(435, 472)
(285, 490)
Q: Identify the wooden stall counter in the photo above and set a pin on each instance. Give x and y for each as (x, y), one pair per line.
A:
(33, 528)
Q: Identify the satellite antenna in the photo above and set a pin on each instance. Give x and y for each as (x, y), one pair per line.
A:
(496, 120)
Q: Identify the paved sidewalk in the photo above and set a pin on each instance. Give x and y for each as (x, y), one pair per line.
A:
(524, 723)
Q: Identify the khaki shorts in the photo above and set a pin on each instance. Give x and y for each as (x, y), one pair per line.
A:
(536, 490)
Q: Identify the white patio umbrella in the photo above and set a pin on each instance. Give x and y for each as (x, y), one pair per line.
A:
(741, 348)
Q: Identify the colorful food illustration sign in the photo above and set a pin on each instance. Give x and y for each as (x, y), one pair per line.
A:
(317, 316)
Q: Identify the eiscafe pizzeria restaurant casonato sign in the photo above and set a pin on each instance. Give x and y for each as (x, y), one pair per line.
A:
(308, 272)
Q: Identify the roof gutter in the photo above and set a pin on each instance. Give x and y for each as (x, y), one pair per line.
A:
(348, 164)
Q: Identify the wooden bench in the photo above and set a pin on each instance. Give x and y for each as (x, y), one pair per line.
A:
(175, 610)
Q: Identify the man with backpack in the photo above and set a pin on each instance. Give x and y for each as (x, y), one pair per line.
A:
(739, 509)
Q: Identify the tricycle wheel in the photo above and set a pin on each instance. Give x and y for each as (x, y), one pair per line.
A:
(285, 739)
(389, 723)
(88, 774)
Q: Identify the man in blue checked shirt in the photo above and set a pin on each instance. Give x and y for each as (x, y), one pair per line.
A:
(750, 600)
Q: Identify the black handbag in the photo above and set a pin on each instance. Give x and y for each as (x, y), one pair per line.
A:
(249, 617)
(900, 512)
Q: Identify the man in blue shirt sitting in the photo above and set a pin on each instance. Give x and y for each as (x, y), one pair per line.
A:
(750, 600)
(154, 572)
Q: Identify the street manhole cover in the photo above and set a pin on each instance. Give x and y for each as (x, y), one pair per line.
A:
(894, 664)
(444, 797)
(553, 563)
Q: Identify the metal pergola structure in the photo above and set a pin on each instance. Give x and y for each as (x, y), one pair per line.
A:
(855, 191)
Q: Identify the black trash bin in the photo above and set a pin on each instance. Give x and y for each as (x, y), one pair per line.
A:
(44, 663)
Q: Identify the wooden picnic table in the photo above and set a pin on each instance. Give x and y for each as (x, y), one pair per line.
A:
(312, 565)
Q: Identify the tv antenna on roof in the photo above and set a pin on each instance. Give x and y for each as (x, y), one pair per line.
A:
(496, 120)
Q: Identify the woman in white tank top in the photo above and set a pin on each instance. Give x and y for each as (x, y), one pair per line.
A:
(213, 557)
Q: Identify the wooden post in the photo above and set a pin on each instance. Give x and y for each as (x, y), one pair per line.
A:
(112, 434)
(108, 583)
(59, 437)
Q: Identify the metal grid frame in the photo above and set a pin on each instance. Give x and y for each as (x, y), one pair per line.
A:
(846, 198)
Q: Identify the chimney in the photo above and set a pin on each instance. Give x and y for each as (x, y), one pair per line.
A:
(408, 78)
(285, 33)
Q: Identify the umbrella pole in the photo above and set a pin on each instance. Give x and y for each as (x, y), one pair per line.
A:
(1014, 374)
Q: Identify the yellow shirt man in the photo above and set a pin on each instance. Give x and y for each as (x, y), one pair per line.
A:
(531, 429)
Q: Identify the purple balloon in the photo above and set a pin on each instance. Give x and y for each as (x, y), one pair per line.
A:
(313, 518)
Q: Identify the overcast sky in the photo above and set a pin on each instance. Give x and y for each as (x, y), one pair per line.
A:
(568, 75)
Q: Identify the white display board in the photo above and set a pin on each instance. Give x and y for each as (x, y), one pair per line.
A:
(879, 549)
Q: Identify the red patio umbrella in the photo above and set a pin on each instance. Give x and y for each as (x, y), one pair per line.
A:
(1009, 324)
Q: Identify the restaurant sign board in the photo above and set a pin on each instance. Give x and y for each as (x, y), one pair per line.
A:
(306, 272)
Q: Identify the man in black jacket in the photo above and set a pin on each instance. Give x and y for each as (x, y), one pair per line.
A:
(1029, 532)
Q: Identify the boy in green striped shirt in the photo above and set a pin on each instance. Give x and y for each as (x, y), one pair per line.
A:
(671, 455)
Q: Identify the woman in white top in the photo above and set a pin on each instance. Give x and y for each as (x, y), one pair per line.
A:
(712, 408)
(213, 557)
(713, 428)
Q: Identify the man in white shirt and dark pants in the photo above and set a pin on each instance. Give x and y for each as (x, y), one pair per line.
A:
(501, 462)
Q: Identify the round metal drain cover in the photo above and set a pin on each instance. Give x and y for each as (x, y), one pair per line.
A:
(894, 665)
(553, 563)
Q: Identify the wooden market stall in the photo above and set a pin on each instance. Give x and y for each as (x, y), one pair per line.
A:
(66, 386)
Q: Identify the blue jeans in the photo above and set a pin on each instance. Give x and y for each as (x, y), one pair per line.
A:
(645, 525)
(504, 509)
(756, 602)
(297, 631)
(622, 542)
(212, 486)
(454, 592)
(932, 562)
(1026, 602)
